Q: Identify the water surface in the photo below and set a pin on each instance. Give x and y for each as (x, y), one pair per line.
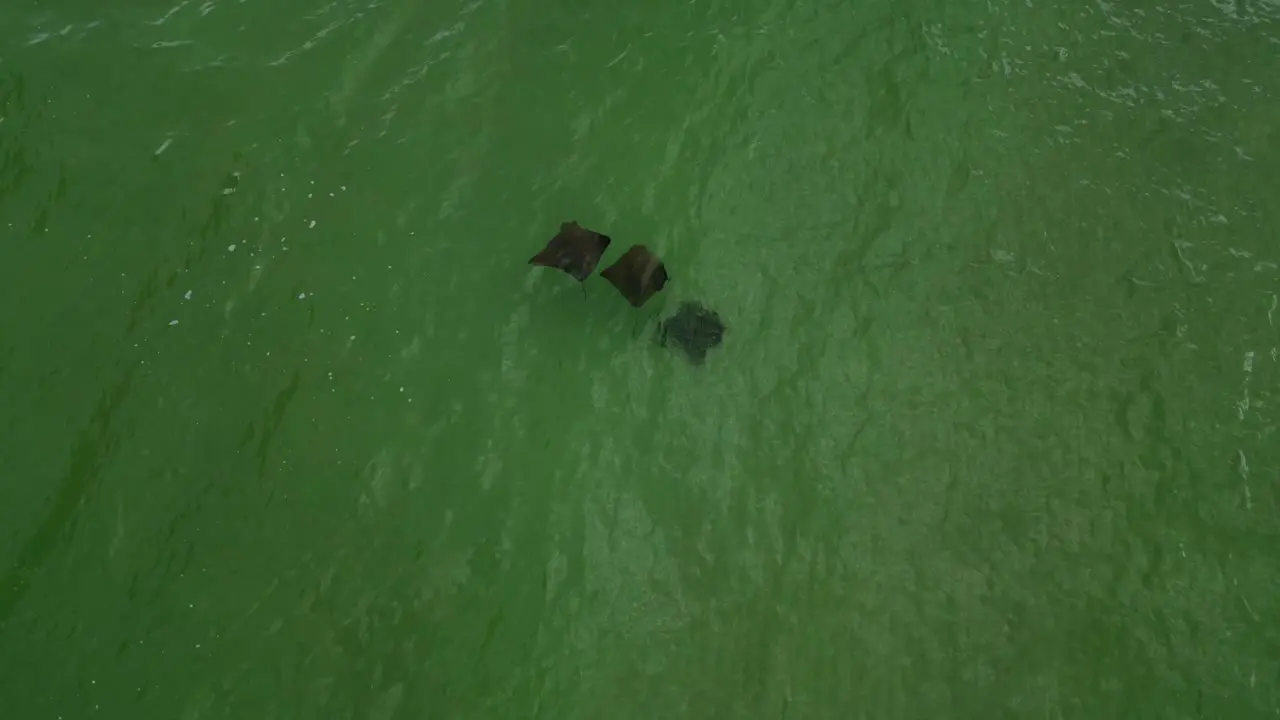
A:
(289, 429)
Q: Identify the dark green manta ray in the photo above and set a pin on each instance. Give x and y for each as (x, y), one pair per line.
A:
(694, 328)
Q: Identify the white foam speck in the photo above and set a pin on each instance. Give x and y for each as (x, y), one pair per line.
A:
(169, 14)
(313, 224)
(302, 296)
(164, 146)
(172, 323)
(187, 296)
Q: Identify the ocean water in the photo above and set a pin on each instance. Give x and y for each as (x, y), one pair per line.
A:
(289, 428)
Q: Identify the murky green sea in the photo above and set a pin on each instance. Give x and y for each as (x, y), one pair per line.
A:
(289, 428)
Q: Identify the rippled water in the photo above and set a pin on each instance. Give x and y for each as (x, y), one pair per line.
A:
(290, 429)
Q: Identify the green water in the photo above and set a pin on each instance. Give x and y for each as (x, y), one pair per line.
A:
(290, 429)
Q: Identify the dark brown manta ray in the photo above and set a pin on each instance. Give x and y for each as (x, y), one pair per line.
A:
(638, 274)
(696, 329)
(575, 250)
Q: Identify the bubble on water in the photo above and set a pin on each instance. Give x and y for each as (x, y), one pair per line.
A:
(231, 247)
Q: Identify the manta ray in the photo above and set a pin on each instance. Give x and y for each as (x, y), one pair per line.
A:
(575, 250)
(694, 328)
